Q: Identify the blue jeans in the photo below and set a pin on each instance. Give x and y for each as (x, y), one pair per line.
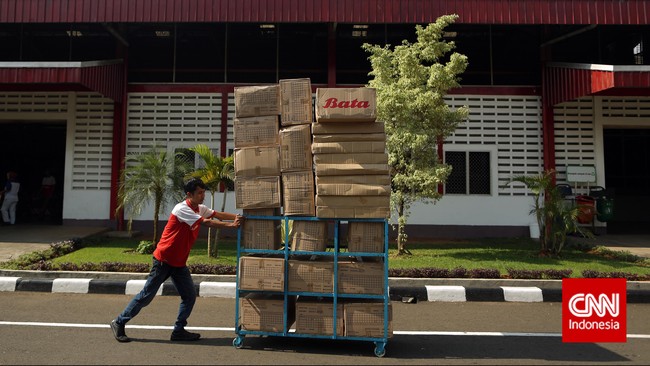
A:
(160, 272)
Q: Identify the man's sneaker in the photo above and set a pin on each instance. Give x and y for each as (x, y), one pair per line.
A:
(183, 335)
(118, 332)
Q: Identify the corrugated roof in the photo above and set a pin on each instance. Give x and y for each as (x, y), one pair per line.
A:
(105, 77)
(567, 81)
(342, 11)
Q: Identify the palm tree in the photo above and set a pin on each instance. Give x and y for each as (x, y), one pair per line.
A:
(151, 176)
(217, 170)
(554, 216)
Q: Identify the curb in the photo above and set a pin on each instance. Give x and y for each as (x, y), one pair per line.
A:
(407, 294)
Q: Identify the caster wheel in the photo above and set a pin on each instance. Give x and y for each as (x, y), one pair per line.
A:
(238, 342)
(380, 350)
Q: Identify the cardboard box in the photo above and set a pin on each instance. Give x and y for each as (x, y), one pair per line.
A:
(295, 148)
(317, 317)
(348, 147)
(257, 161)
(298, 193)
(366, 237)
(352, 212)
(366, 319)
(350, 137)
(261, 234)
(354, 179)
(351, 169)
(349, 127)
(352, 190)
(353, 201)
(257, 192)
(361, 158)
(256, 131)
(261, 273)
(346, 104)
(309, 236)
(311, 276)
(265, 312)
(296, 101)
(260, 100)
(361, 278)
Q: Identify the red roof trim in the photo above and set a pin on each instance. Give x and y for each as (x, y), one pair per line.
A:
(341, 11)
(571, 81)
(105, 78)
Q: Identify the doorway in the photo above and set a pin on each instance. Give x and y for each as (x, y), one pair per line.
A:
(627, 179)
(31, 148)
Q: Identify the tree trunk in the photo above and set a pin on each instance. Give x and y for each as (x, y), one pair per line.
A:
(216, 234)
(211, 249)
(156, 211)
(401, 231)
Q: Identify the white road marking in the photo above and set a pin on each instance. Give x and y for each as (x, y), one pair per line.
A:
(231, 329)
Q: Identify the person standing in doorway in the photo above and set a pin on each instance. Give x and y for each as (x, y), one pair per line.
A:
(10, 202)
(170, 257)
(48, 185)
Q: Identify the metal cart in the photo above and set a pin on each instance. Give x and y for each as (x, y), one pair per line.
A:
(380, 342)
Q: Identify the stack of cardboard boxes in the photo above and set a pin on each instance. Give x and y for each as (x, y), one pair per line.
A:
(351, 164)
(258, 193)
(352, 181)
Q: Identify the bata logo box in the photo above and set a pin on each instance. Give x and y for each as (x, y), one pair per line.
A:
(594, 310)
(346, 105)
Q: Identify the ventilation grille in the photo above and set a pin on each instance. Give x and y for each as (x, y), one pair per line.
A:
(626, 107)
(512, 124)
(93, 138)
(33, 102)
(178, 120)
(574, 136)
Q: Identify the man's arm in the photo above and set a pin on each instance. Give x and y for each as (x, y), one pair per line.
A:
(225, 215)
(224, 224)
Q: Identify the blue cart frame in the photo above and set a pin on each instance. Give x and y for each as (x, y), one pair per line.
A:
(380, 342)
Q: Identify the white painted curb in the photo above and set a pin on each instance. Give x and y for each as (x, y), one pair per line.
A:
(8, 283)
(71, 285)
(217, 289)
(446, 293)
(522, 294)
(135, 286)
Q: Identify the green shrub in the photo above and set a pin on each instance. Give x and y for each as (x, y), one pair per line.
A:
(145, 247)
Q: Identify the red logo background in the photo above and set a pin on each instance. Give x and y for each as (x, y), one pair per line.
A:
(593, 327)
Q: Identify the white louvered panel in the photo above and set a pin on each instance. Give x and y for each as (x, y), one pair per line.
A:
(634, 107)
(513, 124)
(574, 136)
(93, 136)
(178, 119)
(24, 102)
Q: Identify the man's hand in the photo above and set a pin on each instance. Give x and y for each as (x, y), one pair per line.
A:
(238, 221)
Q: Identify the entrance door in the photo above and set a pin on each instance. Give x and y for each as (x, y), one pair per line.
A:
(627, 176)
(31, 148)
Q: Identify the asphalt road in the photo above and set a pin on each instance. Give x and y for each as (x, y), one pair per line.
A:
(45, 328)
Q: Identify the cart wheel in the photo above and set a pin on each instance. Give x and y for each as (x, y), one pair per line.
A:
(380, 349)
(238, 342)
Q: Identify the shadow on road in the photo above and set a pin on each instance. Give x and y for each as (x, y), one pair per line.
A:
(447, 348)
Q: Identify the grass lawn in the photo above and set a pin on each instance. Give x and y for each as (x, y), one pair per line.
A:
(500, 254)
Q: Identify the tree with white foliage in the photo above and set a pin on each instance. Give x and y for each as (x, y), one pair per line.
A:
(411, 81)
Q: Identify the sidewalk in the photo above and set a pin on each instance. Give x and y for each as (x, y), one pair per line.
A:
(21, 239)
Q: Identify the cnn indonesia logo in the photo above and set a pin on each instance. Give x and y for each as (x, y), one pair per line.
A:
(594, 310)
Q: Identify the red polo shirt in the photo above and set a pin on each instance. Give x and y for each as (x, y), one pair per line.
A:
(180, 233)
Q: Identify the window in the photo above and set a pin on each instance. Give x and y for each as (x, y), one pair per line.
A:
(470, 172)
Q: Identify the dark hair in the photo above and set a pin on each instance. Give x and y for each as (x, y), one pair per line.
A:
(192, 184)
